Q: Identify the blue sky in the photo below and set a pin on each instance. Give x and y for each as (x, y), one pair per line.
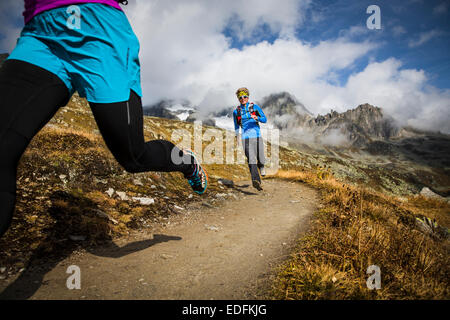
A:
(403, 22)
(319, 51)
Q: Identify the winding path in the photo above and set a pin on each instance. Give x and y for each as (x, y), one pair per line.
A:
(225, 252)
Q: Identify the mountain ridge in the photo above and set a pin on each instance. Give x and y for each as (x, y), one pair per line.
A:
(357, 127)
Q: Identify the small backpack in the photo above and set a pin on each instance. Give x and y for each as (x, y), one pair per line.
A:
(250, 109)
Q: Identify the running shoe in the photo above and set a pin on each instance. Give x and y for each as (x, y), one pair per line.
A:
(199, 179)
(257, 185)
(262, 171)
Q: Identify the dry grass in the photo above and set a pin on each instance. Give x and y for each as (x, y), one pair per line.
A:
(356, 228)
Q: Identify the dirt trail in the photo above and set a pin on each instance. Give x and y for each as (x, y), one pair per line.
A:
(226, 252)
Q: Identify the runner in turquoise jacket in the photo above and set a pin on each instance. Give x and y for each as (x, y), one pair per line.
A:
(250, 126)
(247, 116)
(86, 46)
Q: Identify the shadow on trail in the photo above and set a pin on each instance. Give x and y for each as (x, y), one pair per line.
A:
(57, 247)
(230, 184)
(31, 279)
(239, 188)
(111, 250)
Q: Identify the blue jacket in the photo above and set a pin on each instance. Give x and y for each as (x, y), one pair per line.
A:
(250, 127)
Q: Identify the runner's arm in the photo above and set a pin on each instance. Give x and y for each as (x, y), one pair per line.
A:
(262, 117)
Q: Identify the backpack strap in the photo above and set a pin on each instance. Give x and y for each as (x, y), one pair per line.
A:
(239, 116)
(251, 110)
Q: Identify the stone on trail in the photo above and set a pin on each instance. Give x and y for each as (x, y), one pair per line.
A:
(144, 201)
(207, 204)
(226, 182)
(104, 215)
(122, 195)
(212, 228)
(110, 192)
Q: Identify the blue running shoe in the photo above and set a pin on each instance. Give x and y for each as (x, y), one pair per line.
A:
(199, 179)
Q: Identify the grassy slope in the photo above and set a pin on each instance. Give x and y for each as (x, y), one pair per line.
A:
(355, 228)
(396, 172)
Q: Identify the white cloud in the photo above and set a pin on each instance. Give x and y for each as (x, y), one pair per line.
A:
(354, 31)
(285, 65)
(185, 55)
(441, 8)
(424, 37)
(334, 137)
(180, 39)
(402, 93)
(398, 31)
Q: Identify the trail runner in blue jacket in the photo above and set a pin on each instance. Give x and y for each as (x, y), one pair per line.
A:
(247, 116)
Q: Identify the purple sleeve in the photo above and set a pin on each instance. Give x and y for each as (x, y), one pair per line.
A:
(34, 7)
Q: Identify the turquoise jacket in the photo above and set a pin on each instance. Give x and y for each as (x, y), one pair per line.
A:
(250, 127)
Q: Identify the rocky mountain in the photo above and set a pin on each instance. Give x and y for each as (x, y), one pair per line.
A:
(364, 127)
(357, 127)
(159, 110)
(175, 110)
(362, 141)
(208, 121)
(284, 111)
(360, 126)
(170, 109)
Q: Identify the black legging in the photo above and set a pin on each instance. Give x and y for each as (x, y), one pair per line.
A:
(30, 96)
(254, 151)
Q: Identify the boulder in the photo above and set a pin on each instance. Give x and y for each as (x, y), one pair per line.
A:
(427, 193)
(225, 182)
